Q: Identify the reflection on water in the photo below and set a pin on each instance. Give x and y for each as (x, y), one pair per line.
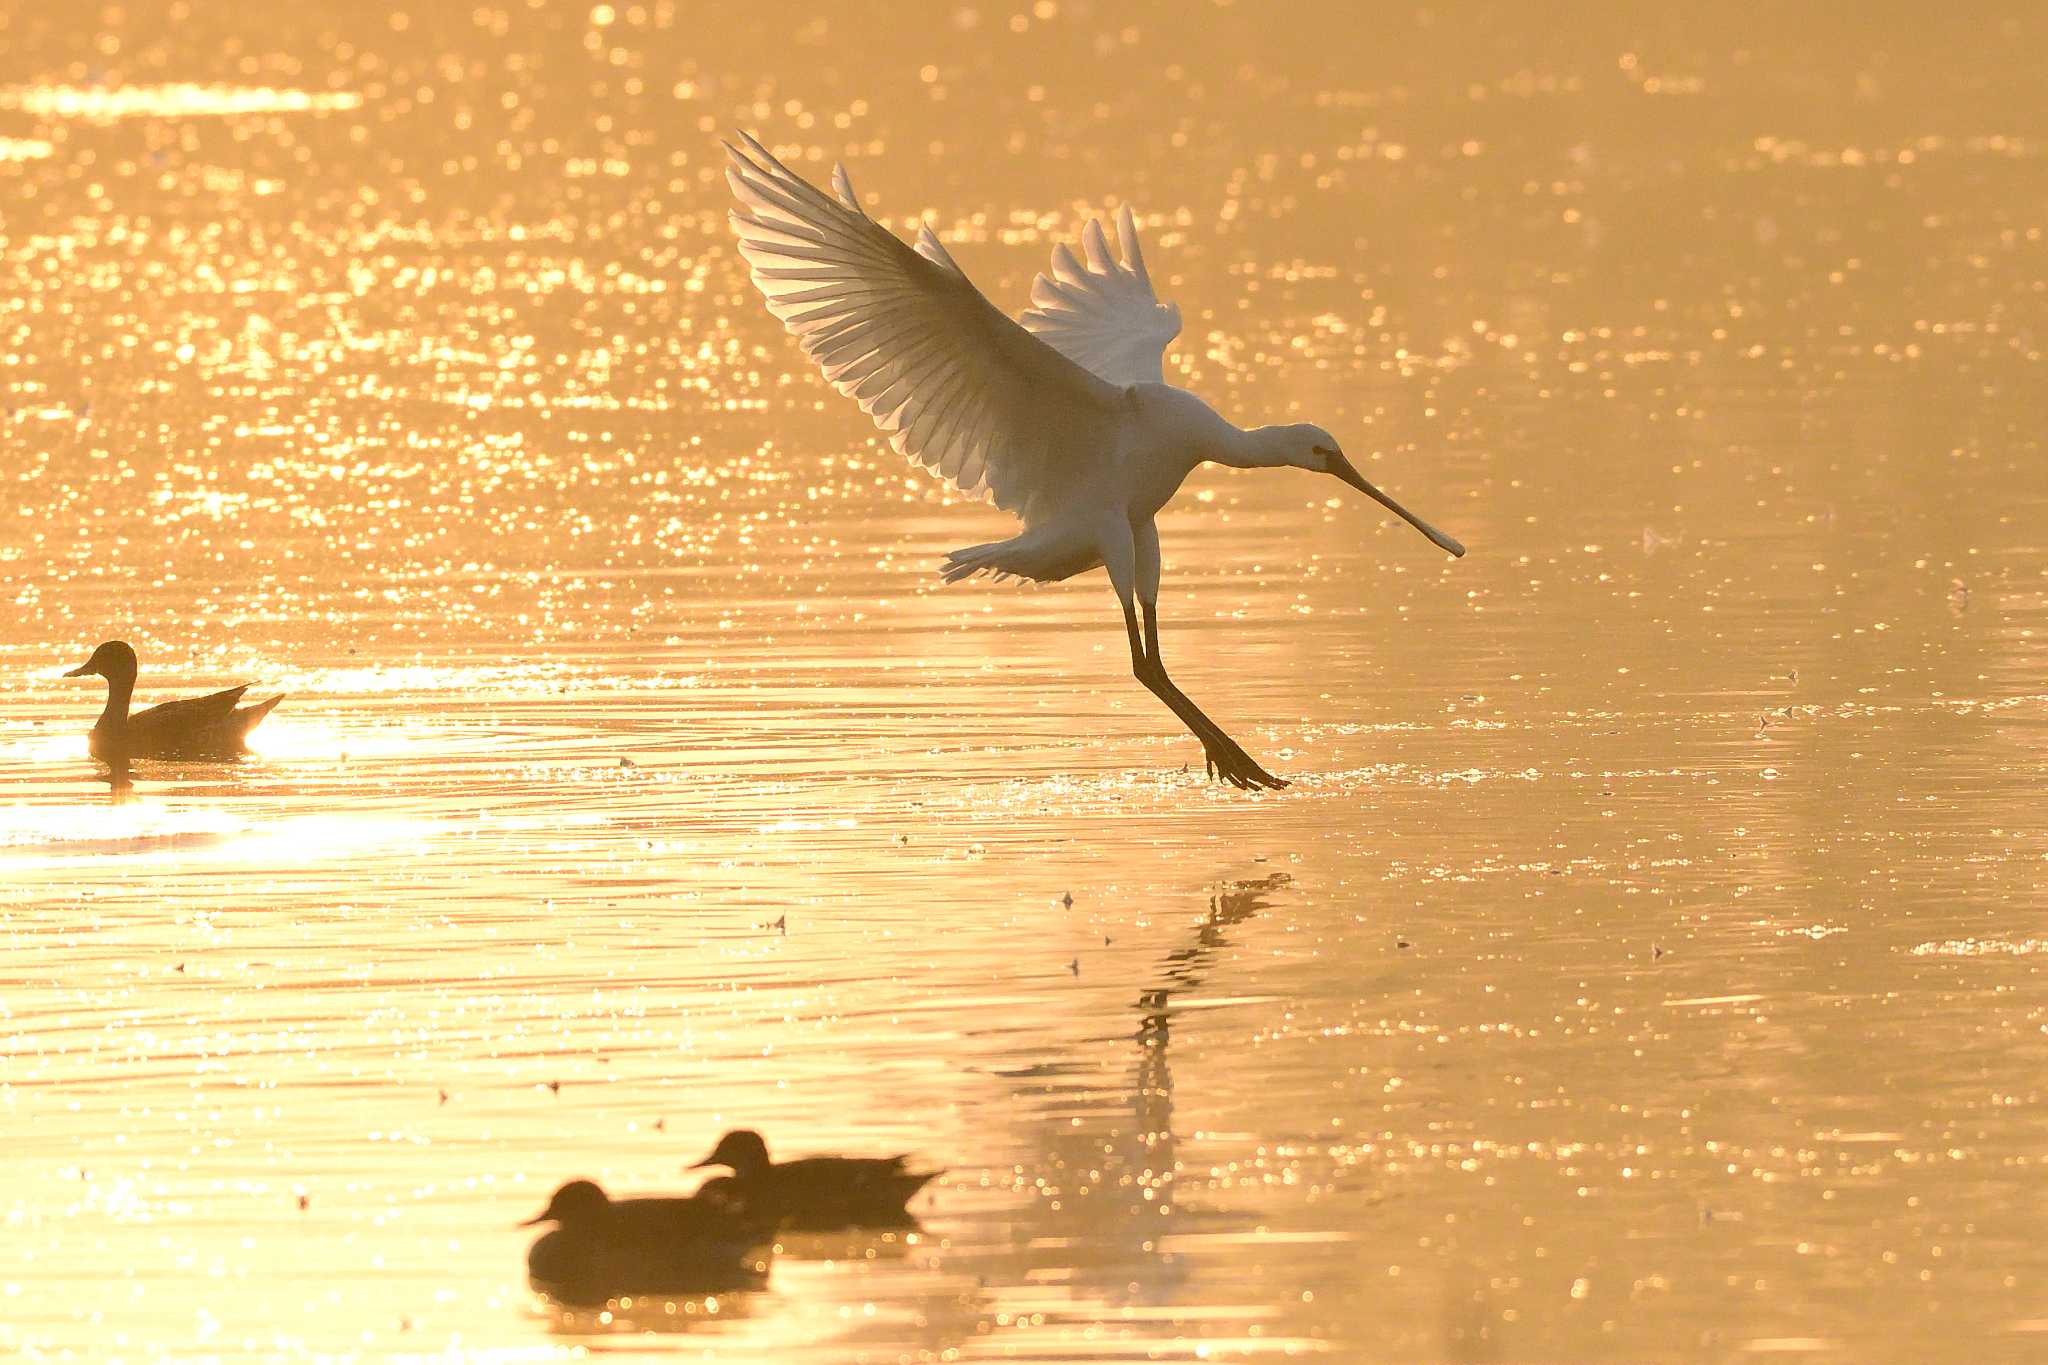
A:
(1642, 966)
(24, 148)
(86, 829)
(168, 101)
(1115, 1239)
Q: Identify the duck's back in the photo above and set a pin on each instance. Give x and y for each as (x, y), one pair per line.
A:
(683, 1225)
(823, 1193)
(192, 727)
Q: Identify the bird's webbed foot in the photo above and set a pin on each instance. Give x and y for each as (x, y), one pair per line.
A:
(1224, 756)
(1228, 761)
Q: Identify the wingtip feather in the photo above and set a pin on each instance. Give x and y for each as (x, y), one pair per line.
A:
(933, 250)
(1097, 248)
(1127, 238)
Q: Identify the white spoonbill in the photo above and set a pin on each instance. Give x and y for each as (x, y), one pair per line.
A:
(1065, 420)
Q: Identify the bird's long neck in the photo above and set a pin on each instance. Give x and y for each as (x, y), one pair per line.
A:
(1259, 448)
(120, 690)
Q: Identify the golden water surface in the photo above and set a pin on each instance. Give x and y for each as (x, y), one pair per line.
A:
(1646, 963)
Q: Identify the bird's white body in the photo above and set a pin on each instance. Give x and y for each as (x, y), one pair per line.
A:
(1170, 432)
(1154, 447)
(1062, 417)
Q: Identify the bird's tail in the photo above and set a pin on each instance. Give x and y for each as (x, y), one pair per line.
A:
(1031, 555)
(975, 559)
(249, 717)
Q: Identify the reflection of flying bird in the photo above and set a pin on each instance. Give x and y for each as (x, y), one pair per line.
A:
(1064, 420)
(816, 1193)
(1114, 1148)
(195, 728)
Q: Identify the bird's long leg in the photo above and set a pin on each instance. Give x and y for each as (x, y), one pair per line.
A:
(1130, 553)
(1225, 756)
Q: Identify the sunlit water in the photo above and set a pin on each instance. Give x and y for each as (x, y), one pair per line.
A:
(1646, 963)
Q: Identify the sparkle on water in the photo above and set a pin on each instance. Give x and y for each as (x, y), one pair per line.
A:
(1645, 964)
(166, 101)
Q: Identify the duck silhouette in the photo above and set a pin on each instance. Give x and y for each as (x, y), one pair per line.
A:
(601, 1247)
(812, 1194)
(211, 727)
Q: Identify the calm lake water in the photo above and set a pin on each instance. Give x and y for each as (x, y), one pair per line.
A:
(1647, 963)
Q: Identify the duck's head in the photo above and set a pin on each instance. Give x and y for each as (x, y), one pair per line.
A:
(743, 1150)
(579, 1201)
(114, 659)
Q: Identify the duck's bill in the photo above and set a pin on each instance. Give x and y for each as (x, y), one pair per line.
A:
(79, 671)
(700, 1165)
(540, 1217)
(1343, 469)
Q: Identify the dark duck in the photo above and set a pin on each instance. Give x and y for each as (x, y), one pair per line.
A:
(211, 727)
(813, 1194)
(602, 1248)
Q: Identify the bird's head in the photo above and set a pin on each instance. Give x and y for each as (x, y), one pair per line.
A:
(579, 1201)
(1308, 446)
(1302, 445)
(742, 1150)
(114, 659)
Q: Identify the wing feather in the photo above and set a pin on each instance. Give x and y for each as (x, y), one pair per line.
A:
(972, 466)
(188, 713)
(900, 329)
(877, 388)
(952, 435)
(946, 389)
(1103, 315)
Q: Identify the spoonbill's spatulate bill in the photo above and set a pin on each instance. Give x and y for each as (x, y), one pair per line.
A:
(210, 727)
(1063, 419)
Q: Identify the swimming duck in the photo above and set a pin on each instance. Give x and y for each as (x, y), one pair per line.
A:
(812, 1194)
(195, 728)
(601, 1248)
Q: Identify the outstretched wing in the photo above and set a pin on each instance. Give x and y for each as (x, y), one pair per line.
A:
(958, 386)
(1103, 315)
